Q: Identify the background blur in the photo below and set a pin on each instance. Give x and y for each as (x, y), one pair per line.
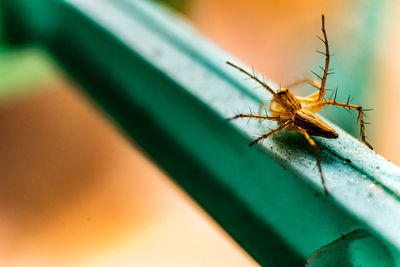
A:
(73, 191)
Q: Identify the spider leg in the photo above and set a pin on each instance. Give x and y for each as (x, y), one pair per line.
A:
(305, 80)
(252, 76)
(283, 126)
(322, 89)
(262, 105)
(320, 86)
(308, 80)
(315, 148)
(260, 117)
(269, 89)
(360, 116)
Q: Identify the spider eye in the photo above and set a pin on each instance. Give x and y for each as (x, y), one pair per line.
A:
(282, 91)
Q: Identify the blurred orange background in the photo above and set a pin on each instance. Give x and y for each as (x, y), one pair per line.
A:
(74, 192)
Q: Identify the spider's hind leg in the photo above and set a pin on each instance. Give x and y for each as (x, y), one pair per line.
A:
(360, 116)
(283, 126)
(315, 148)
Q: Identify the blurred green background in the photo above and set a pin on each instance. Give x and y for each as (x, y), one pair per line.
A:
(31, 65)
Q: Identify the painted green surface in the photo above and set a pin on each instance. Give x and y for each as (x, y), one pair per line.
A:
(170, 90)
(357, 248)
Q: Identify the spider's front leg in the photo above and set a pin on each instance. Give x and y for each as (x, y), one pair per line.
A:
(259, 117)
(320, 86)
(322, 89)
(360, 116)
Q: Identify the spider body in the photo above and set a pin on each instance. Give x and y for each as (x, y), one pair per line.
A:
(298, 113)
(301, 113)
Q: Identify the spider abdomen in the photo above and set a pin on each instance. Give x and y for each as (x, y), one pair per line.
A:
(310, 122)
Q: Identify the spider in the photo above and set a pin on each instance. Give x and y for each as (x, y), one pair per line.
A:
(298, 113)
